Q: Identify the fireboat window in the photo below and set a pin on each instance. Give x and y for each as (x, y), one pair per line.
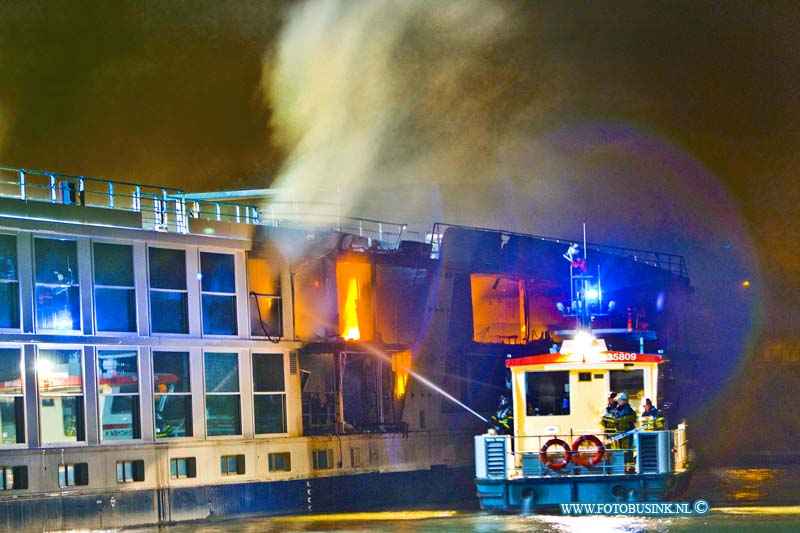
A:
(60, 377)
(114, 291)
(223, 407)
(168, 295)
(118, 394)
(218, 288)
(12, 405)
(9, 283)
(547, 393)
(173, 397)
(630, 382)
(58, 304)
(269, 396)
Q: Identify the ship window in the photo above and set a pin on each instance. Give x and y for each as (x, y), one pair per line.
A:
(73, 474)
(172, 397)
(182, 467)
(12, 414)
(218, 287)
(402, 295)
(355, 457)
(547, 393)
(223, 411)
(60, 377)
(9, 283)
(355, 297)
(265, 299)
(130, 471)
(269, 397)
(498, 309)
(630, 382)
(114, 292)
(118, 394)
(168, 294)
(280, 462)
(322, 459)
(58, 305)
(231, 465)
(13, 477)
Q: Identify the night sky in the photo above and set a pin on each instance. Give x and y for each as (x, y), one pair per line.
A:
(669, 125)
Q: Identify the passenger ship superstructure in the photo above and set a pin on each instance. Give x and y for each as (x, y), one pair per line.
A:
(164, 358)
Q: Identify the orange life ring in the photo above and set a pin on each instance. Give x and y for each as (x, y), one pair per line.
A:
(559, 464)
(580, 458)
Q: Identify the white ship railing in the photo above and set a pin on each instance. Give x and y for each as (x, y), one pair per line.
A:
(169, 210)
(161, 208)
(644, 452)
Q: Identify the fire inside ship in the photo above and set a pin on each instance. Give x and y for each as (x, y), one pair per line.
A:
(167, 358)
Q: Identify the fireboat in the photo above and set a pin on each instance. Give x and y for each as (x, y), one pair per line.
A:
(561, 448)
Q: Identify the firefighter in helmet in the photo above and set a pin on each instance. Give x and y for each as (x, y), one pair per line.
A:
(652, 416)
(608, 422)
(503, 420)
(625, 419)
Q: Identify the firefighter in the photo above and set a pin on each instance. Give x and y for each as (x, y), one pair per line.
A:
(625, 419)
(624, 414)
(650, 409)
(504, 418)
(609, 425)
(656, 421)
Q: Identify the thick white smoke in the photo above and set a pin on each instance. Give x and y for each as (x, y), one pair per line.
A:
(381, 103)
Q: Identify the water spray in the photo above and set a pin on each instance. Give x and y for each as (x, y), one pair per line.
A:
(428, 383)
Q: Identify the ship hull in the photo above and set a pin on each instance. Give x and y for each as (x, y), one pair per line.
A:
(342, 493)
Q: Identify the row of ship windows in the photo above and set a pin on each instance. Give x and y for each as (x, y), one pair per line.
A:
(77, 474)
(60, 375)
(57, 289)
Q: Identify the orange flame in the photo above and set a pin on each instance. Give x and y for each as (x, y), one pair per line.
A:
(401, 362)
(350, 331)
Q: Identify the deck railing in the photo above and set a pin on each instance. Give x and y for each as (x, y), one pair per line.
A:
(670, 262)
(644, 452)
(169, 210)
(323, 216)
(161, 208)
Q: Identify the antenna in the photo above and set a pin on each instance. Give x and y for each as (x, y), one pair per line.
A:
(585, 251)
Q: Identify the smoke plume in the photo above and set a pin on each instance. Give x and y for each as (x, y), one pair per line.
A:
(387, 103)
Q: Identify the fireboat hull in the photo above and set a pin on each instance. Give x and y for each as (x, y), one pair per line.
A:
(543, 495)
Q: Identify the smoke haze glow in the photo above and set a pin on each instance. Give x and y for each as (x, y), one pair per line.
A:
(416, 112)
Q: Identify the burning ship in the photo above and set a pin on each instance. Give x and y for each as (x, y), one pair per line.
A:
(165, 359)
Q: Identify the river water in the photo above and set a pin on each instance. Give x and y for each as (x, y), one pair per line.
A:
(741, 499)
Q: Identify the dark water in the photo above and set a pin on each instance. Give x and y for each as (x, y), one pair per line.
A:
(741, 499)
